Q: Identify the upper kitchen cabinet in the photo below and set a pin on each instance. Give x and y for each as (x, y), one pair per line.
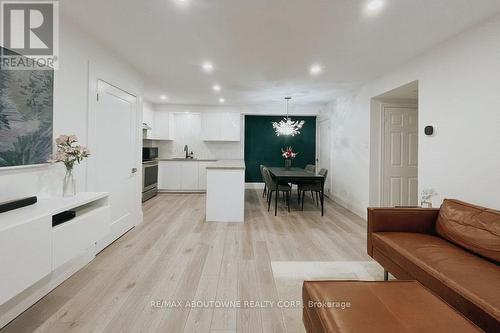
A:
(147, 116)
(163, 126)
(220, 126)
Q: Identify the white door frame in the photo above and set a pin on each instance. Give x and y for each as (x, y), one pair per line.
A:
(384, 105)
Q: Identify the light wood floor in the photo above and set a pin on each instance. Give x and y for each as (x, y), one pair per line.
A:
(175, 255)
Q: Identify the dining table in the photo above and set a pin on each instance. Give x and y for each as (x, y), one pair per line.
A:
(295, 176)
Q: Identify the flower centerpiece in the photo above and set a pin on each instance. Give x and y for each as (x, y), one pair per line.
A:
(288, 154)
(69, 153)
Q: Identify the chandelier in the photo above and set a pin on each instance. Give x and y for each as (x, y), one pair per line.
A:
(287, 126)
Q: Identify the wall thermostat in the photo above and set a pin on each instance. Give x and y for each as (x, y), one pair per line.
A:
(429, 130)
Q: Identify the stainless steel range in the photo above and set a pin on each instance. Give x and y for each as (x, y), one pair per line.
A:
(149, 173)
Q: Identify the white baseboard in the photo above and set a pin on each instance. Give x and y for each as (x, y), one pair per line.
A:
(254, 186)
(182, 191)
(344, 203)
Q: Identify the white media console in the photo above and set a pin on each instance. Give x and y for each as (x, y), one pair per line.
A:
(36, 257)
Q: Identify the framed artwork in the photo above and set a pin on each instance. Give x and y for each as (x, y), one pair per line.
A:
(26, 116)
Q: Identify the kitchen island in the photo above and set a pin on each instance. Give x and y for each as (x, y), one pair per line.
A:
(226, 191)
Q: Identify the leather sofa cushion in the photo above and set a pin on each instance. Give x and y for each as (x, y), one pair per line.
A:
(472, 227)
(377, 307)
(440, 265)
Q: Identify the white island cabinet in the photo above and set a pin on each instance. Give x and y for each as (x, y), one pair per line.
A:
(226, 191)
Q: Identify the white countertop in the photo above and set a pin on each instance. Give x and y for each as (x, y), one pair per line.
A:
(228, 164)
(176, 159)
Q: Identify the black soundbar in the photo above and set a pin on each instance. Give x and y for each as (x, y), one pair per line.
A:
(18, 203)
(63, 217)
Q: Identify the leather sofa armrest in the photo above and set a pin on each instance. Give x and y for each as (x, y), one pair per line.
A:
(418, 220)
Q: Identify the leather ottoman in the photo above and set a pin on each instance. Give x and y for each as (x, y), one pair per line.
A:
(376, 306)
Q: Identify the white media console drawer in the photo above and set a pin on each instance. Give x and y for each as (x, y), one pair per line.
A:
(71, 239)
(25, 255)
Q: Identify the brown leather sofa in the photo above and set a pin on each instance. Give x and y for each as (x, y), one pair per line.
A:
(454, 251)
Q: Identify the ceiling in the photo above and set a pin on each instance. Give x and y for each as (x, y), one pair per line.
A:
(262, 49)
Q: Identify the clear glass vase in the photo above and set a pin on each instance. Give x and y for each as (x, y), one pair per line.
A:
(69, 186)
(288, 164)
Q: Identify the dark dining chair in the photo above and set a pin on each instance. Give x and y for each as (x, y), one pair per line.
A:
(315, 187)
(271, 187)
(309, 168)
(262, 167)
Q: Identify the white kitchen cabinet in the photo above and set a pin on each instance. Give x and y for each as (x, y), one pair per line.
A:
(221, 126)
(202, 174)
(209, 126)
(147, 115)
(169, 175)
(231, 126)
(189, 176)
(178, 175)
(163, 126)
(147, 121)
(183, 175)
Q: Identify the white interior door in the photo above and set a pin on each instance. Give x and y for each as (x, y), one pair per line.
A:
(400, 156)
(114, 155)
(324, 151)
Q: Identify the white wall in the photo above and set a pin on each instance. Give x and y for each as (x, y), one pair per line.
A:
(459, 84)
(187, 129)
(71, 91)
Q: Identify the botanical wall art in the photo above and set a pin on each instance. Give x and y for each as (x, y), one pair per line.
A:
(26, 105)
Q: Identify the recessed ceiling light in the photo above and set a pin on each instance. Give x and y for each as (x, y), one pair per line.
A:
(222, 100)
(374, 5)
(207, 66)
(163, 97)
(216, 87)
(315, 70)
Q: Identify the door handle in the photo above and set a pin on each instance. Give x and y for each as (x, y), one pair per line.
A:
(134, 170)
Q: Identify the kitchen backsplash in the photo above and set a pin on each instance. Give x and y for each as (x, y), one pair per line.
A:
(201, 149)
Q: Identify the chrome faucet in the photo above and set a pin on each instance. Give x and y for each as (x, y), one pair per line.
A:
(186, 149)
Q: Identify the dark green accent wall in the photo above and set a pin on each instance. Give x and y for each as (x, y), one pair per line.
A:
(262, 146)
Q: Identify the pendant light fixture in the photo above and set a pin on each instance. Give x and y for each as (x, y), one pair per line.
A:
(287, 126)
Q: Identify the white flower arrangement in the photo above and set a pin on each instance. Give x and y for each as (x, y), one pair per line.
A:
(69, 152)
(426, 197)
